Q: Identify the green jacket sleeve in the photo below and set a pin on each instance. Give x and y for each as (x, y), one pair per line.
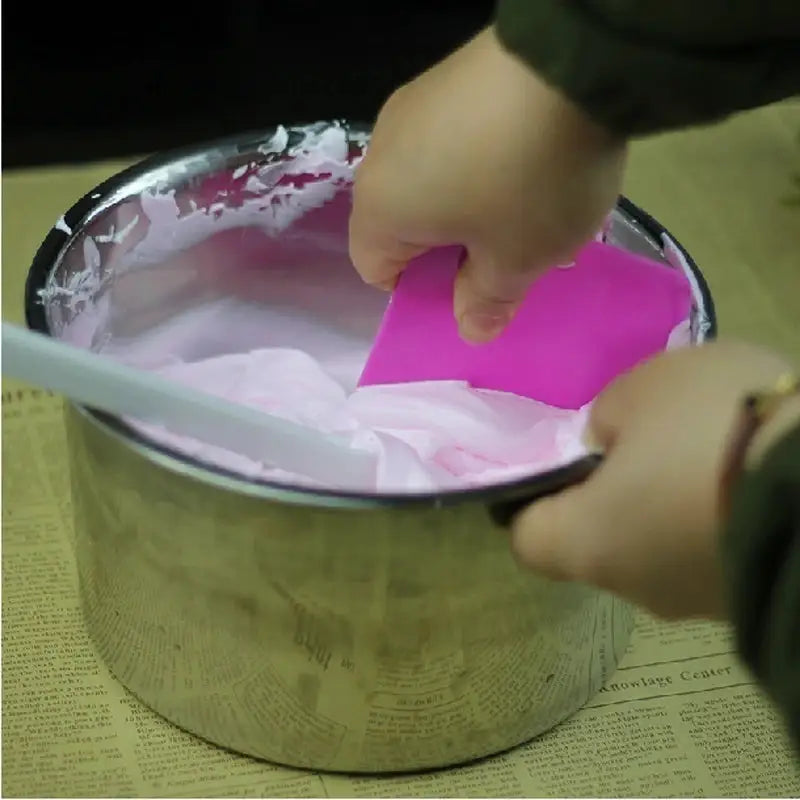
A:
(762, 563)
(640, 66)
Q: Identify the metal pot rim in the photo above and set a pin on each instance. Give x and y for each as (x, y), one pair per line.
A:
(195, 161)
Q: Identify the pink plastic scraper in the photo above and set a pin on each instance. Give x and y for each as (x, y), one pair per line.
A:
(577, 329)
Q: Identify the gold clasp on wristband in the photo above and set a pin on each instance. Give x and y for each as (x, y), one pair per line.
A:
(764, 404)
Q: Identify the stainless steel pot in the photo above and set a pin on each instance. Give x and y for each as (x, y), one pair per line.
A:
(315, 629)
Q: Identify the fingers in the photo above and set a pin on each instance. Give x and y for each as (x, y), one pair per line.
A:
(566, 536)
(378, 257)
(486, 298)
(558, 536)
(377, 251)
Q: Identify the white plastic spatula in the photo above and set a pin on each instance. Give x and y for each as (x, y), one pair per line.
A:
(107, 385)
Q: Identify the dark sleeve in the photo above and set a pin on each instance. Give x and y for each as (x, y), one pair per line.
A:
(762, 561)
(640, 66)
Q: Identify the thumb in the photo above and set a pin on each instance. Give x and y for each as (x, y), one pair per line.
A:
(487, 298)
(487, 295)
(553, 535)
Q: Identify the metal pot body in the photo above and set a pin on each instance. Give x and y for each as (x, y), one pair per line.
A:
(348, 639)
(313, 629)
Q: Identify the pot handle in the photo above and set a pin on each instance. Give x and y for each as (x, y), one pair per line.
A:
(503, 511)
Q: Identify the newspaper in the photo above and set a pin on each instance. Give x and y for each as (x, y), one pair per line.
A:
(680, 717)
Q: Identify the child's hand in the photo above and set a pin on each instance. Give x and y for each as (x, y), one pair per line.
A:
(479, 152)
(645, 525)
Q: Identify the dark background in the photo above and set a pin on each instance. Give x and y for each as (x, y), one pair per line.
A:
(88, 81)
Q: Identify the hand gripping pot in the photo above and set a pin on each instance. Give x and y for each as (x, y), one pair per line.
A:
(314, 628)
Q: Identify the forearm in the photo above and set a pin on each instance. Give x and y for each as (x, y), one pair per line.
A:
(639, 67)
(761, 551)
